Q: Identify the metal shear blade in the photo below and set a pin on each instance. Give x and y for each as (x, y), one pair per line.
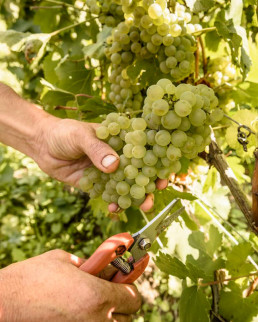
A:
(145, 236)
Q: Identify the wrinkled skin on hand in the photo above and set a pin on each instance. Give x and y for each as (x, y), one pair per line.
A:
(51, 287)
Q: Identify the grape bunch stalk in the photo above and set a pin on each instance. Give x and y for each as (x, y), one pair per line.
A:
(174, 125)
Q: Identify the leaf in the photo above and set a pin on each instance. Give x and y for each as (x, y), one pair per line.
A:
(97, 50)
(236, 259)
(56, 228)
(99, 207)
(203, 267)
(238, 169)
(171, 265)
(233, 307)
(50, 62)
(6, 175)
(246, 92)
(30, 43)
(199, 5)
(147, 70)
(171, 193)
(47, 19)
(54, 88)
(215, 240)
(235, 36)
(94, 107)
(210, 180)
(196, 240)
(18, 254)
(193, 305)
(74, 77)
(235, 11)
(212, 40)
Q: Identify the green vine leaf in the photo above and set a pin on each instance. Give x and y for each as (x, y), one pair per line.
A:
(199, 5)
(193, 305)
(237, 264)
(233, 307)
(171, 266)
(97, 50)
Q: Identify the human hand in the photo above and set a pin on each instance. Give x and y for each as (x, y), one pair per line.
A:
(67, 147)
(51, 287)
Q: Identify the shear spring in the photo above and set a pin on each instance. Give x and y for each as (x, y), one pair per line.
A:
(122, 265)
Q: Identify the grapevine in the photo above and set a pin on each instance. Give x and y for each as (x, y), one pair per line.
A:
(172, 88)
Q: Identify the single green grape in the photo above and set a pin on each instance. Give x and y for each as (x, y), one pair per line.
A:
(163, 138)
(142, 180)
(124, 202)
(130, 172)
(122, 188)
(137, 191)
(102, 132)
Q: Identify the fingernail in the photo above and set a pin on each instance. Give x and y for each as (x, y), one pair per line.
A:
(108, 160)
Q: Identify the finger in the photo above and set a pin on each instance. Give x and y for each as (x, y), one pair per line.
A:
(108, 272)
(121, 317)
(148, 203)
(64, 256)
(113, 207)
(131, 298)
(100, 153)
(161, 184)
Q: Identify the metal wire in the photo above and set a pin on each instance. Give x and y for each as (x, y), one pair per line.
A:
(242, 125)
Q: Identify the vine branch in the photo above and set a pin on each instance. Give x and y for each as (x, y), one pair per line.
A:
(216, 158)
(226, 280)
(255, 189)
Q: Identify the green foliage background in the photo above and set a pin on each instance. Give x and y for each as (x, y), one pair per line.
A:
(51, 56)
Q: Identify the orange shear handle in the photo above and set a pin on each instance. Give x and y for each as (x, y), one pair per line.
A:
(110, 249)
(138, 269)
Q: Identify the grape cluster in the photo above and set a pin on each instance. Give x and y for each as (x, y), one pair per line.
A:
(109, 13)
(221, 71)
(174, 125)
(149, 31)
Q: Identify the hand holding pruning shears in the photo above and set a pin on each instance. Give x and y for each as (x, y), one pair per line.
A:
(138, 244)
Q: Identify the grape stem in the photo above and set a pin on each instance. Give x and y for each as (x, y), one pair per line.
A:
(216, 158)
(197, 54)
(204, 30)
(204, 58)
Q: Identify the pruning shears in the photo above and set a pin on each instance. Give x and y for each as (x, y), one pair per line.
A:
(138, 244)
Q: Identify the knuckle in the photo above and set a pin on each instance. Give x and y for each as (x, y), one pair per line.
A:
(56, 254)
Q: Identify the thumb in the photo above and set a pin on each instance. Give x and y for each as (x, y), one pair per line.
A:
(100, 153)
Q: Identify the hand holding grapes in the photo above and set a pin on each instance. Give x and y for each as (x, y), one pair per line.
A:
(62, 148)
(67, 147)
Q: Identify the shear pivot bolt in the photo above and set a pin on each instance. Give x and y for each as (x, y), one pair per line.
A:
(145, 244)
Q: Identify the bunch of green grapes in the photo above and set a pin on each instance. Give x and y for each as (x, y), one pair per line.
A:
(109, 12)
(174, 125)
(221, 71)
(149, 31)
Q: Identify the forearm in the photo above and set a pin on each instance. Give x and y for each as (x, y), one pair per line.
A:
(20, 121)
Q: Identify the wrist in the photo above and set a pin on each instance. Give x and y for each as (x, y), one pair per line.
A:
(20, 122)
(38, 138)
